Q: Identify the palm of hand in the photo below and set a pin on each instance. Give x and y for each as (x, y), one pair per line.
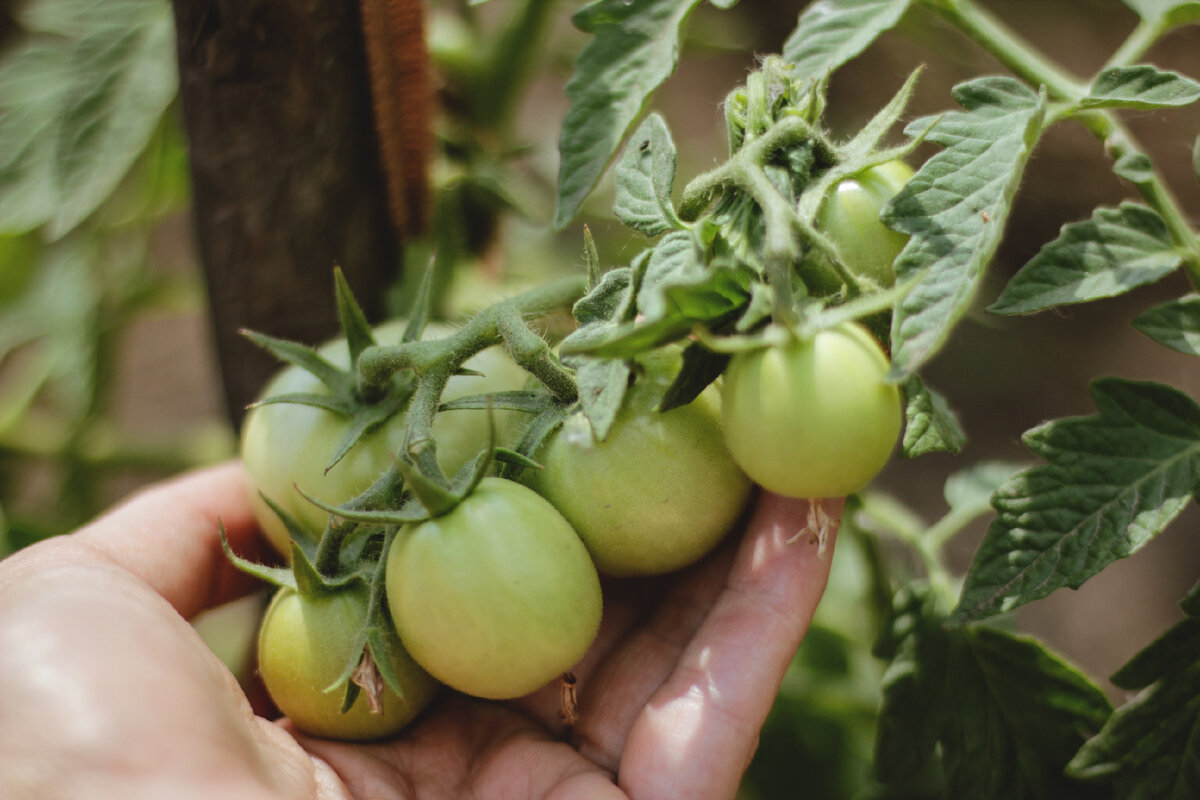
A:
(672, 694)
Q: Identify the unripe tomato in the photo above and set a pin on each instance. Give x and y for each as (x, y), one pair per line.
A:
(303, 646)
(812, 418)
(497, 597)
(850, 217)
(287, 445)
(661, 489)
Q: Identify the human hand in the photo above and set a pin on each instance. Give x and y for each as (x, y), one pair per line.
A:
(107, 692)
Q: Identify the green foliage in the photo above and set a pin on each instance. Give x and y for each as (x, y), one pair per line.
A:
(1149, 748)
(1110, 483)
(955, 208)
(1113, 252)
(1174, 324)
(830, 32)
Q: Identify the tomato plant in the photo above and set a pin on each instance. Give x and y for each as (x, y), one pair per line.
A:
(304, 645)
(497, 597)
(850, 216)
(812, 418)
(286, 446)
(658, 492)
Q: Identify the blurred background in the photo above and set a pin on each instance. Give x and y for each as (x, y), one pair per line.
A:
(114, 323)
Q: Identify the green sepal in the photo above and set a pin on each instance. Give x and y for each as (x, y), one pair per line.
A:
(297, 533)
(421, 305)
(355, 326)
(700, 368)
(436, 498)
(309, 581)
(409, 512)
(325, 402)
(539, 429)
(367, 418)
(338, 380)
(506, 455)
(530, 402)
(277, 576)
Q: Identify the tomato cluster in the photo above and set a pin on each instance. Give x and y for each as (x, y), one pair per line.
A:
(496, 590)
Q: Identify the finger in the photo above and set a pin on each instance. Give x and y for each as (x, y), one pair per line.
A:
(697, 734)
(169, 536)
(635, 667)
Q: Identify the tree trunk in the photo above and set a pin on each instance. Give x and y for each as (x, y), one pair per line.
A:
(286, 173)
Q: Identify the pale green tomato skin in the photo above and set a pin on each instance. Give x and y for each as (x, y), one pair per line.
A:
(659, 492)
(303, 647)
(812, 418)
(496, 598)
(287, 445)
(850, 217)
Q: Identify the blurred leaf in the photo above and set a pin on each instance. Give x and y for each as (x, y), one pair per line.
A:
(1141, 86)
(634, 49)
(832, 32)
(1174, 324)
(76, 112)
(1166, 12)
(930, 426)
(1113, 252)
(1110, 483)
(644, 178)
(955, 208)
(1006, 713)
(970, 490)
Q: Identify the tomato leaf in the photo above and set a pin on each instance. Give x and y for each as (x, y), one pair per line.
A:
(1111, 482)
(644, 177)
(1113, 252)
(1174, 324)
(954, 210)
(1150, 747)
(700, 368)
(1166, 13)
(930, 425)
(1141, 86)
(634, 49)
(832, 32)
(1007, 713)
(969, 491)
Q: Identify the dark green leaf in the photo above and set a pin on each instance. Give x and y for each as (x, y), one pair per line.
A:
(1174, 324)
(1168, 13)
(1175, 649)
(1110, 483)
(644, 177)
(1005, 714)
(605, 301)
(700, 368)
(1150, 747)
(955, 208)
(1113, 252)
(832, 32)
(930, 426)
(634, 49)
(1141, 86)
(913, 686)
(675, 260)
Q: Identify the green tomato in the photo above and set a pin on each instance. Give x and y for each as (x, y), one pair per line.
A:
(287, 445)
(497, 597)
(850, 217)
(659, 492)
(304, 645)
(812, 418)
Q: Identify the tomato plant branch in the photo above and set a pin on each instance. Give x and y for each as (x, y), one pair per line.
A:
(1026, 62)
